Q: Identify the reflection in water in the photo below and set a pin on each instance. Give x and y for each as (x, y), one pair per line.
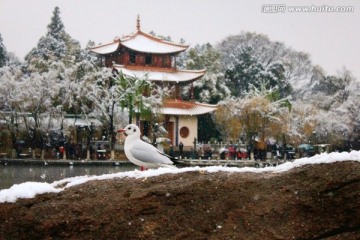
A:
(15, 174)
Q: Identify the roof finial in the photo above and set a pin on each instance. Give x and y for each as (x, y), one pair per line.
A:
(138, 23)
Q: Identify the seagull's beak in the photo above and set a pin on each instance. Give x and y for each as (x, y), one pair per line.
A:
(123, 131)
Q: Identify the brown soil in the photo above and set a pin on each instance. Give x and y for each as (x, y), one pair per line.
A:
(311, 202)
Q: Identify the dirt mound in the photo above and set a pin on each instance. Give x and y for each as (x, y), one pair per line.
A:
(311, 202)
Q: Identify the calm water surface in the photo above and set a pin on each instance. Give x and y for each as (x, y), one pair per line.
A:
(15, 174)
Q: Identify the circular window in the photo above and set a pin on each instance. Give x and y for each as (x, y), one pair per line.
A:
(184, 132)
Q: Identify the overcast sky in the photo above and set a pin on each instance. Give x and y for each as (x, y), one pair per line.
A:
(331, 38)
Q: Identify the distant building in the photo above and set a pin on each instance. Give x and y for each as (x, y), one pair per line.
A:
(139, 55)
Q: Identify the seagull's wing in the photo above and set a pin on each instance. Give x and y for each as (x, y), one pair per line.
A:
(148, 153)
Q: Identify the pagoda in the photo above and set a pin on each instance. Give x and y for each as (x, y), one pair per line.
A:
(142, 55)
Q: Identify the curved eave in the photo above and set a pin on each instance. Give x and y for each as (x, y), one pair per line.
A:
(179, 76)
(187, 109)
(142, 42)
(106, 48)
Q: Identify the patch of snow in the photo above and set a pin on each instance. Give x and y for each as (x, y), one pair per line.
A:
(26, 190)
(30, 189)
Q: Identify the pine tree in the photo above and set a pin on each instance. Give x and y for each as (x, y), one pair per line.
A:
(57, 45)
(56, 28)
(3, 53)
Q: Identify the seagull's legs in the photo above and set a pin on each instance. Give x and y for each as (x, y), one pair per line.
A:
(142, 168)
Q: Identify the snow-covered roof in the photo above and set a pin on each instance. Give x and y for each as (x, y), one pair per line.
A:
(106, 48)
(176, 76)
(178, 107)
(141, 42)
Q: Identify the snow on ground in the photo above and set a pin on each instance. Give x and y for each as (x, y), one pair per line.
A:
(30, 189)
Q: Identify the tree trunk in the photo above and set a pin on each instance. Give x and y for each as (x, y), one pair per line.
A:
(112, 154)
(88, 154)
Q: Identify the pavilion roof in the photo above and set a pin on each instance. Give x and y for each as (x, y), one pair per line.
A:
(106, 48)
(156, 74)
(141, 42)
(179, 107)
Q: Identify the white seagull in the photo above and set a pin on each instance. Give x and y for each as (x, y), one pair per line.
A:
(141, 153)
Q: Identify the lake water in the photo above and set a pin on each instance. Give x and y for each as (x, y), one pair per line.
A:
(15, 174)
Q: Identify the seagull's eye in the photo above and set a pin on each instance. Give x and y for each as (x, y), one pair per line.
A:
(129, 128)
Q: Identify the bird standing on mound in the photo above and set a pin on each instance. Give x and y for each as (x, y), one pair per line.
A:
(141, 153)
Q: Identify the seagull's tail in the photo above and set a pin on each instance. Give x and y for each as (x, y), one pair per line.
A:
(168, 166)
(173, 159)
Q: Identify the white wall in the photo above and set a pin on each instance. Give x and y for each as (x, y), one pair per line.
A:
(190, 122)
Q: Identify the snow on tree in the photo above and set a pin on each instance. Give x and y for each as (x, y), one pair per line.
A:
(261, 113)
(211, 88)
(14, 60)
(352, 106)
(323, 106)
(57, 45)
(263, 57)
(41, 99)
(334, 100)
(27, 103)
(166, 38)
(3, 53)
(303, 120)
(36, 94)
(341, 123)
(90, 56)
(58, 79)
(91, 92)
(140, 96)
(327, 92)
(11, 78)
(246, 71)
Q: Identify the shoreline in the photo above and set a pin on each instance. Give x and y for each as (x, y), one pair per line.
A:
(230, 163)
(61, 162)
(183, 162)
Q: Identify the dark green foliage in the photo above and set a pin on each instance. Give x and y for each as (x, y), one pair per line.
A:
(247, 71)
(207, 129)
(3, 53)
